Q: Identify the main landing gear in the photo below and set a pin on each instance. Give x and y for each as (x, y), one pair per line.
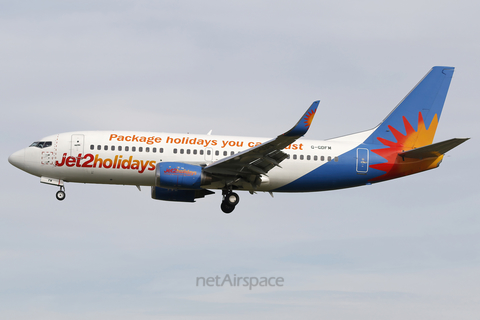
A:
(230, 200)
(61, 194)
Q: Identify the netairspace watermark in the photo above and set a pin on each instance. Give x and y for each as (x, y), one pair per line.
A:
(235, 281)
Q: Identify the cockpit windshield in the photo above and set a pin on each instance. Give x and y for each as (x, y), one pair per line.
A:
(41, 144)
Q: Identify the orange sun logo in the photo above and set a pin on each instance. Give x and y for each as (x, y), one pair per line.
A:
(396, 166)
(309, 118)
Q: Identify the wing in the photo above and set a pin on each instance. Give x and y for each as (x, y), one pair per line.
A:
(251, 163)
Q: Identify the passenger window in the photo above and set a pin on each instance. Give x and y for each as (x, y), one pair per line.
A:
(194, 151)
(308, 157)
(294, 157)
(209, 152)
(134, 148)
(126, 148)
(336, 159)
(161, 150)
(119, 148)
(301, 157)
(232, 153)
(181, 151)
(315, 158)
(99, 147)
(288, 156)
(140, 149)
(147, 149)
(154, 150)
(113, 148)
(188, 151)
(92, 147)
(201, 152)
(322, 158)
(175, 150)
(105, 148)
(217, 152)
(329, 158)
(225, 153)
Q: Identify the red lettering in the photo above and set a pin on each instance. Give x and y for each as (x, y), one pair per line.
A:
(98, 160)
(87, 164)
(152, 165)
(107, 163)
(143, 166)
(79, 157)
(70, 162)
(63, 161)
(127, 163)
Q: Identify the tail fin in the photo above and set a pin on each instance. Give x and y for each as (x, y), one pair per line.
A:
(414, 121)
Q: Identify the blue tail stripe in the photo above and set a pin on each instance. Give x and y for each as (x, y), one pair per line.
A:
(427, 97)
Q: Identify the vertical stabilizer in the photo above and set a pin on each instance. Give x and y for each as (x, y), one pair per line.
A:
(414, 121)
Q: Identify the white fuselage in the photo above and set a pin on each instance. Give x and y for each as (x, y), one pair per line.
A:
(129, 158)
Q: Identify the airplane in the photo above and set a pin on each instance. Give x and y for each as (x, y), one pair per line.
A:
(186, 167)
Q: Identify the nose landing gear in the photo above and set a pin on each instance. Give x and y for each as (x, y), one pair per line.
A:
(61, 194)
(230, 200)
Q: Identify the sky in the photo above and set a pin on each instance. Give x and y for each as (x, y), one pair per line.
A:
(406, 248)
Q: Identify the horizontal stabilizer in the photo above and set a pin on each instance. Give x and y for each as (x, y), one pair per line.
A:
(433, 150)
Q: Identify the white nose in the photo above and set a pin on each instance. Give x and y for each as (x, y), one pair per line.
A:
(17, 159)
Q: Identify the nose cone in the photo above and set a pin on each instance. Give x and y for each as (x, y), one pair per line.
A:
(17, 159)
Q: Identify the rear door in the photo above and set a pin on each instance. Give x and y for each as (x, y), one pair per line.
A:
(362, 160)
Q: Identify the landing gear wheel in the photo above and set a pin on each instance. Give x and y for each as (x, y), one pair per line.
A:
(226, 208)
(60, 195)
(232, 199)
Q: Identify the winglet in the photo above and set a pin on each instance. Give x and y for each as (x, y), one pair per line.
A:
(304, 123)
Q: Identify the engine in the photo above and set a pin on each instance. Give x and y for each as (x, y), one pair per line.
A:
(181, 176)
(178, 195)
(175, 181)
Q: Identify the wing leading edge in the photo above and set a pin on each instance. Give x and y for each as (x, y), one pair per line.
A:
(251, 163)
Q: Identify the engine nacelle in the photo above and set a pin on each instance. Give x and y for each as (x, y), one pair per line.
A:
(178, 195)
(180, 176)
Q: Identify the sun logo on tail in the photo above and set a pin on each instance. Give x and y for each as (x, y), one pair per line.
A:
(396, 166)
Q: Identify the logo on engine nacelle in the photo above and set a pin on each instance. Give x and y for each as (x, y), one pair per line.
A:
(181, 172)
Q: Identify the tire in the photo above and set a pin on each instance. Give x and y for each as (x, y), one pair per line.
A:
(60, 195)
(227, 208)
(232, 199)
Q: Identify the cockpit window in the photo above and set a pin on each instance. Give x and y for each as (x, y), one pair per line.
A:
(41, 144)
